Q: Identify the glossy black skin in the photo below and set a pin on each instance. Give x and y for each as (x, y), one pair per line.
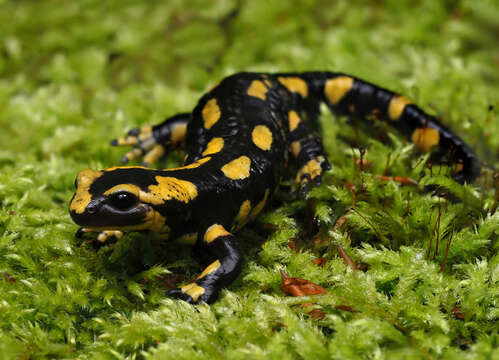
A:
(218, 197)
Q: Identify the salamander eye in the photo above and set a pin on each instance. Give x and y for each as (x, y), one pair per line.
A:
(123, 200)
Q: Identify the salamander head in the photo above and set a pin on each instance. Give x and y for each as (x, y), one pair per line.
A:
(118, 198)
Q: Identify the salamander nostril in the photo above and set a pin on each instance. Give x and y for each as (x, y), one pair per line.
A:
(92, 207)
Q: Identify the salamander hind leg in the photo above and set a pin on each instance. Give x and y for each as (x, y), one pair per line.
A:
(222, 271)
(306, 146)
(152, 142)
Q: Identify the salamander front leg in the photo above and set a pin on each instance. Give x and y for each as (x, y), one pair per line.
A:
(219, 273)
(152, 142)
(102, 236)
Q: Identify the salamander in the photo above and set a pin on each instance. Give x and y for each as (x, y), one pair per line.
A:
(237, 142)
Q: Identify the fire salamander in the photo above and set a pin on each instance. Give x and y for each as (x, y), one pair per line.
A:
(237, 141)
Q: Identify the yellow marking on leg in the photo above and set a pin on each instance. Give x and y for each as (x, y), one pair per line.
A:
(178, 133)
(257, 89)
(209, 269)
(397, 106)
(211, 113)
(295, 148)
(336, 88)
(294, 120)
(125, 141)
(242, 217)
(169, 188)
(215, 145)
(259, 207)
(156, 152)
(82, 197)
(294, 84)
(262, 137)
(425, 138)
(104, 235)
(237, 169)
(194, 290)
(459, 165)
(312, 167)
(214, 232)
(133, 154)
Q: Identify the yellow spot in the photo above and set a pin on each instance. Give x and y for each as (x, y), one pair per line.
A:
(257, 89)
(259, 207)
(214, 232)
(294, 120)
(209, 269)
(397, 106)
(194, 290)
(237, 169)
(156, 152)
(214, 146)
(169, 188)
(459, 166)
(134, 189)
(336, 88)
(295, 84)
(82, 197)
(242, 217)
(295, 148)
(211, 113)
(194, 165)
(262, 137)
(425, 138)
(178, 133)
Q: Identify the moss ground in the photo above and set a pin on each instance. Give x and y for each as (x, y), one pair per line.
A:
(75, 74)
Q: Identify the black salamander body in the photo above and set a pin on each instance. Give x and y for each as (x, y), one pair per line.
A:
(237, 141)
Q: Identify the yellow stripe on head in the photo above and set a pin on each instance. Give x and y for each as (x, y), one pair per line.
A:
(84, 179)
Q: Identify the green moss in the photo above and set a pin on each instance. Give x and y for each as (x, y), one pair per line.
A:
(75, 74)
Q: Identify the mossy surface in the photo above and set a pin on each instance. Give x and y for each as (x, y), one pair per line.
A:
(74, 74)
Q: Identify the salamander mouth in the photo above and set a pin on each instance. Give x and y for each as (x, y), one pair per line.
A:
(99, 214)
